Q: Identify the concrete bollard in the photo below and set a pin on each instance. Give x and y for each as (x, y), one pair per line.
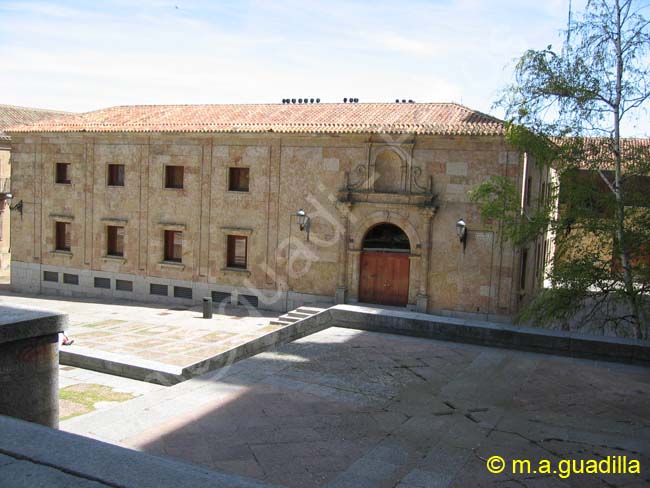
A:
(207, 307)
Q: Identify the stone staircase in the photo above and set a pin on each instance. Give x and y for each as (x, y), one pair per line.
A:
(296, 315)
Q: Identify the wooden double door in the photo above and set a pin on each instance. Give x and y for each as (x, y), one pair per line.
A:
(384, 278)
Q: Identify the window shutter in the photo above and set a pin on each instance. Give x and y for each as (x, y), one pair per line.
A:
(168, 244)
(68, 236)
(119, 240)
(178, 245)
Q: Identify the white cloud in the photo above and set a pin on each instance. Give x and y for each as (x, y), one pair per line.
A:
(90, 55)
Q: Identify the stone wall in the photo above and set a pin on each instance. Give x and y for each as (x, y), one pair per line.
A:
(5, 172)
(331, 177)
(538, 186)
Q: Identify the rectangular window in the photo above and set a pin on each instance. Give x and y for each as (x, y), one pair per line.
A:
(545, 254)
(237, 251)
(63, 173)
(238, 179)
(116, 175)
(174, 177)
(70, 279)
(124, 285)
(529, 183)
(102, 282)
(52, 276)
(173, 246)
(114, 240)
(524, 263)
(62, 236)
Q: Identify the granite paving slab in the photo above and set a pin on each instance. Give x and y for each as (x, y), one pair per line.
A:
(342, 408)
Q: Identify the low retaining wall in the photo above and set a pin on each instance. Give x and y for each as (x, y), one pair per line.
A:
(164, 374)
(485, 333)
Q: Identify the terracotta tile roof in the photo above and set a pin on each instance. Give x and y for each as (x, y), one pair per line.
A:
(327, 118)
(11, 115)
(598, 151)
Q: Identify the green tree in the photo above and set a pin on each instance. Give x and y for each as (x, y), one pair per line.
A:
(565, 109)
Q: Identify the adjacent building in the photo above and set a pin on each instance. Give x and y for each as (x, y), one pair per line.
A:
(11, 115)
(273, 205)
(581, 184)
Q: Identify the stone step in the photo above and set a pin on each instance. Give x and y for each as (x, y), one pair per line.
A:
(286, 318)
(309, 310)
(298, 315)
(279, 322)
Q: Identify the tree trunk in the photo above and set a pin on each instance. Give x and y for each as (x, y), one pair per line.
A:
(628, 279)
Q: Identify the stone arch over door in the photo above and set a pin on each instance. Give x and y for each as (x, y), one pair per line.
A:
(379, 217)
(357, 234)
(389, 172)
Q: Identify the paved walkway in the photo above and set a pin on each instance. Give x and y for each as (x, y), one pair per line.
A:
(346, 408)
(142, 331)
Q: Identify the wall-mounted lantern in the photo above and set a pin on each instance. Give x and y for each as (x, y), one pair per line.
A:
(304, 222)
(18, 206)
(461, 231)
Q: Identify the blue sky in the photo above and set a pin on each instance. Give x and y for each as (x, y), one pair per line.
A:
(79, 55)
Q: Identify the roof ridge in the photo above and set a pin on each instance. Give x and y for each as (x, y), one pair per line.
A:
(35, 109)
(248, 104)
(473, 110)
(374, 117)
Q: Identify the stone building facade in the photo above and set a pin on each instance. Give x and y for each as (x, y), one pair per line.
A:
(12, 115)
(175, 203)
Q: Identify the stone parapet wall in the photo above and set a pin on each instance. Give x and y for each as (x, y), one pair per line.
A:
(33, 455)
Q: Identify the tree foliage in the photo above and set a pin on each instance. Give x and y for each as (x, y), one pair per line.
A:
(565, 109)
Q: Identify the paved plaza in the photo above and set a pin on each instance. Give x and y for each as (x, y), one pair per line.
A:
(346, 408)
(177, 336)
(350, 408)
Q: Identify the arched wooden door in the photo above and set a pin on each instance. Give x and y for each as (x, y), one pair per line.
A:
(385, 266)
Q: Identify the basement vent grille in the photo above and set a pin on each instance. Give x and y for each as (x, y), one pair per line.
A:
(247, 300)
(219, 297)
(182, 292)
(103, 283)
(124, 285)
(51, 276)
(70, 279)
(156, 289)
